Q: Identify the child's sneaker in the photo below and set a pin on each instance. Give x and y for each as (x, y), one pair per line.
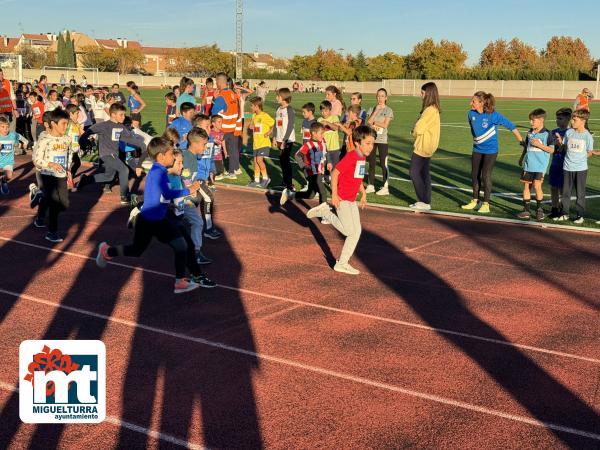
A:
(231, 176)
(318, 211)
(554, 213)
(525, 214)
(35, 195)
(485, 208)
(219, 177)
(106, 189)
(124, 200)
(383, 191)
(134, 200)
(561, 218)
(4, 188)
(471, 205)
(212, 233)
(578, 220)
(265, 182)
(238, 172)
(285, 195)
(539, 214)
(53, 237)
(204, 281)
(39, 223)
(325, 222)
(102, 257)
(253, 184)
(132, 217)
(370, 189)
(420, 206)
(184, 285)
(202, 259)
(345, 268)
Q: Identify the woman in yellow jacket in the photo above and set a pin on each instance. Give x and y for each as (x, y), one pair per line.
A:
(427, 138)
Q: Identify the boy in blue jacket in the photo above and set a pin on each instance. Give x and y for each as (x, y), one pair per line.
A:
(153, 221)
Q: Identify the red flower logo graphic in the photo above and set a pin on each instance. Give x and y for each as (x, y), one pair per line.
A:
(47, 361)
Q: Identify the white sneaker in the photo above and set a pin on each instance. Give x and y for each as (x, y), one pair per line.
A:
(383, 191)
(370, 189)
(284, 197)
(238, 172)
(420, 206)
(318, 211)
(345, 268)
(325, 222)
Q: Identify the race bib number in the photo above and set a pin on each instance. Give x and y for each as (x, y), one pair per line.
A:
(209, 100)
(359, 170)
(379, 130)
(171, 118)
(257, 129)
(6, 148)
(61, 160)
(116, 134)
(279, 123)
(305, 133)
(179, 205)
(577, 145)
(37, 111)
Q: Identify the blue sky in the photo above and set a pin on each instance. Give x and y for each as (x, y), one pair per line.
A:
(287, 27)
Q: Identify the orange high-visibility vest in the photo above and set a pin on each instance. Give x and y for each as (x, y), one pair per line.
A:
(6, 104)
(583, 102)
(230, 115)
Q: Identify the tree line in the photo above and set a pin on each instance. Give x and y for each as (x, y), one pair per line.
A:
(563, 58)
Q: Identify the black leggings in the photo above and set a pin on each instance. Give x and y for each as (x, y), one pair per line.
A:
(421, 178)
(382, 149)
(481, 173)
(170, 231)
(55, 200)
(286, 165)
(75, 165)
(315, 185)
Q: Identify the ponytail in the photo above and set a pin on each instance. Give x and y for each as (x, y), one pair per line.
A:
(489, 103)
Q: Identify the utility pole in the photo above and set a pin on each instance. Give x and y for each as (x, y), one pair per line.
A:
(239, 17)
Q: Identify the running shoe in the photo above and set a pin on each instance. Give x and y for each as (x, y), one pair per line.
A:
(102, 257)
(484, 208)
(132, 217)
(318, 211)
(383, 191)
(53, 237)
(471, 205)
(213, 234)
(202, 259)
(4, 188)
(203, 281)
(345, 268)
(539, 214)
(265, 182)
(578, 220)
(35, 195)
(254, 184)
(561, 218)
(370, 189)
(184, 285)
(524, 214)
(39, 223)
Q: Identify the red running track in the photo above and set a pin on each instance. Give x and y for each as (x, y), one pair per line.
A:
(457, 334)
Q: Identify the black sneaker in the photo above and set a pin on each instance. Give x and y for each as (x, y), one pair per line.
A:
(204, 281)
(35, 195)
(555, 213)
(39, 223)
(213, 234)
(202, 259)
(53, 237)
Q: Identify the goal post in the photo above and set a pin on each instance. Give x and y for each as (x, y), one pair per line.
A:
(12, 66)
(54, 72)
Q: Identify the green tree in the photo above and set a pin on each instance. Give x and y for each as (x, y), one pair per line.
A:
(429, 60)
(36, 58)
(95, 57)
(128, 59)
(361, 70)
(70, 58)
(387, 66)
(566, 53)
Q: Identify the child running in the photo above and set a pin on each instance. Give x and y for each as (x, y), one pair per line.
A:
(9, 141)
(52, 156)
(73, 132)
(262, 126)
(534, 160)
(204, 155)
(346, 182)
(311, 157)
(153, 221)
(484, 120)
(110, 133)
(563, 117)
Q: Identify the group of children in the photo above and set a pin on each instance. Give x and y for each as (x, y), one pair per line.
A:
(177, 205)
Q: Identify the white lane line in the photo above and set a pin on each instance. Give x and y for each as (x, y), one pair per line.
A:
(129, 426)
(319, 370)
(429, 244)
(325, 307)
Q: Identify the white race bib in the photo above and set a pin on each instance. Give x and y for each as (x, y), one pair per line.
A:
(577, 145)
(359, 170)
(116, 134)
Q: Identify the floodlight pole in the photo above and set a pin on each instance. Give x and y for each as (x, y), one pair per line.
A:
(597, 77)
(239, 16)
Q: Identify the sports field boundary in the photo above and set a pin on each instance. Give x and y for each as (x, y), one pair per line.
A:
(481, 218)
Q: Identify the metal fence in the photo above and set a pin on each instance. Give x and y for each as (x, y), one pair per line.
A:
(452, 88)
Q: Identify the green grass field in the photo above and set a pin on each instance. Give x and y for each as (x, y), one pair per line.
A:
(450, 166)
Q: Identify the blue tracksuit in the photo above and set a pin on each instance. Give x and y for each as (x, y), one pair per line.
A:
(484, 128)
